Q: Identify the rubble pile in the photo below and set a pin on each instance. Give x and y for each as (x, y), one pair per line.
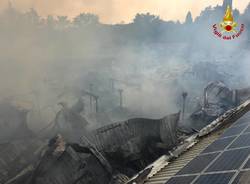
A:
(114, 152)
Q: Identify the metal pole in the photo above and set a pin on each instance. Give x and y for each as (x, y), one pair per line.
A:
(184, 96)
(96, 104)
(90, 97)
(121, 100)
(205, 103)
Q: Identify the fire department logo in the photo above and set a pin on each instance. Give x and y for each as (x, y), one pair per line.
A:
(228, 29)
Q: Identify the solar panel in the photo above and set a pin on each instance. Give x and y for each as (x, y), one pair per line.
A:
(247, 130)
(241, 122)
(198, 164)
(241, 141)
(247, 165)
(181, 180)
(219, 145)
(221, 161)
(229, 160)
(242, 178)
(234, 130)
(221, 178)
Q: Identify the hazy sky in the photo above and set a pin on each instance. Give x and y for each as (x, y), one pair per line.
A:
(114, 11)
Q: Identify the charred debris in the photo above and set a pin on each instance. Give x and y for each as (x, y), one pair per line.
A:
(67, 152)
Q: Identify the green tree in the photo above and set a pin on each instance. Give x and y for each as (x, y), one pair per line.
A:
(86, 19)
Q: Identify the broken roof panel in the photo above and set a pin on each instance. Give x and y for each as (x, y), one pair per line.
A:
(224, 161)
(218, 163)
(232, 157)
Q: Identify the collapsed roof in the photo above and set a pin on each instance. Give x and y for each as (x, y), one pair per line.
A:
(107, 152)
(197, 171)
(116, 151)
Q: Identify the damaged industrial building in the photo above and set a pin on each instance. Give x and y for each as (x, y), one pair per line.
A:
(150, 101)
(131, 151)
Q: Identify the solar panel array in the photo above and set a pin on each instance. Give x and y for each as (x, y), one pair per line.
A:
(225, 161)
